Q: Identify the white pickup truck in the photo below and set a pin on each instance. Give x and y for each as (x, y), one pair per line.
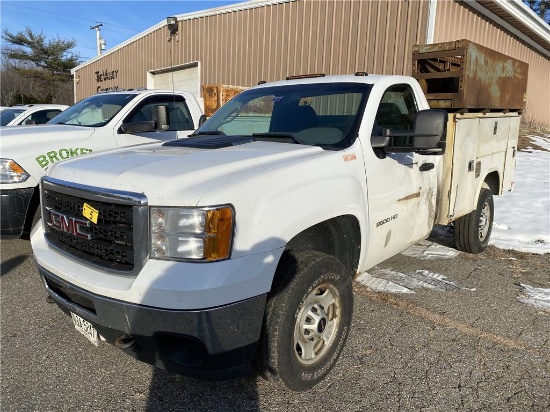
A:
(99, 122)
(239, 245)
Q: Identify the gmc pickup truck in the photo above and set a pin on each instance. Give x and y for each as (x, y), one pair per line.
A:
(99, 122)
(238, 246)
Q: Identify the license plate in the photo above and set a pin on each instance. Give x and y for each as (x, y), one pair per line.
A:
(86, 328)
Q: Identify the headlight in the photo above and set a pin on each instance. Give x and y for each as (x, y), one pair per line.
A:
(11, 172)
(192, 233)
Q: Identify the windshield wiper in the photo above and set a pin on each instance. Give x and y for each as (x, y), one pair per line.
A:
(208, 132)
(277, 135)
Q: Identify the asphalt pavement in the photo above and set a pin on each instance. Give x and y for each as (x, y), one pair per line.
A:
(473, 348)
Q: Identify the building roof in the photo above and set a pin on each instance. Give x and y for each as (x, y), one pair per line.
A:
(519, 19)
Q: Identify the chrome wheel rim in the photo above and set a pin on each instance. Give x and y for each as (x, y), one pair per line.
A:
(317, 323)
(484, 219)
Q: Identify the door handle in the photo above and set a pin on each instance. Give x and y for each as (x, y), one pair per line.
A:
(424, 167)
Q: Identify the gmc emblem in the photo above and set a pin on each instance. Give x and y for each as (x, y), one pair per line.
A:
(70, 225)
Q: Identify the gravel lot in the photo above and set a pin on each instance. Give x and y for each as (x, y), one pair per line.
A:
(429, 351)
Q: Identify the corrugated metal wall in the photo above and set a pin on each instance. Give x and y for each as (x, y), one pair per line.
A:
(271, 42)
(311, 36)
(456, 21)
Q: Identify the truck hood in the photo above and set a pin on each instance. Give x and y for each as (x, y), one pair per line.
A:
(179, 176)
(22, 137)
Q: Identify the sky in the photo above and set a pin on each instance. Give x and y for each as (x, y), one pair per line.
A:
(73, 19)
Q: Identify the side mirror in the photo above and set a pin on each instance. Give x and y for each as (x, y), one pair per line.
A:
(161, 117)
(160, 122)
(429, 128)
(137, 127)
(202, 119)
(378, 142)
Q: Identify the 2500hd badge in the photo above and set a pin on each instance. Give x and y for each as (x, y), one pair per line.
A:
(386, 220)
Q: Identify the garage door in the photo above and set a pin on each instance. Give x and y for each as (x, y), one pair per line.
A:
(183, 79)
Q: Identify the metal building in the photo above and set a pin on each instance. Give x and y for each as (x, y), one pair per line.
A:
(244, 43)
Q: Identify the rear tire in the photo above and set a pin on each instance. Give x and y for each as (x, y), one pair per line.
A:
(307, 320)
(472, 232)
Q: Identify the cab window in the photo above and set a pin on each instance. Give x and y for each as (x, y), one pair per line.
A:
(178, 112)
(41, 116)
(396, 110)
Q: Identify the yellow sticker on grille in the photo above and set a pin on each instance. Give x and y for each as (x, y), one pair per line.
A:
(90, 213)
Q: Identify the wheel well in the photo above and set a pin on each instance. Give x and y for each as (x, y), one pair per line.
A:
(33, 205)
(493, 181)
(339, 237)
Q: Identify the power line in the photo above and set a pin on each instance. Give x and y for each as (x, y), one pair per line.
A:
(64, 21)
(20, 5)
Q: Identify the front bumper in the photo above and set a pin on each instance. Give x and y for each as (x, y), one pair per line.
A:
(213, 343)
(14, 204)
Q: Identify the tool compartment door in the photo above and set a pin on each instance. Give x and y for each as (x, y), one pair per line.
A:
(462, 183)
(510, 163)
(480, 148)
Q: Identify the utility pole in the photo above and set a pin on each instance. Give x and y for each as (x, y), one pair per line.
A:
(100, 40)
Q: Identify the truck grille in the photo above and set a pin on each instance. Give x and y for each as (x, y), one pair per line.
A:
(110, 243)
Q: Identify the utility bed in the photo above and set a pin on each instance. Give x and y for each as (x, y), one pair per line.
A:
(479, 147)
(484, 92)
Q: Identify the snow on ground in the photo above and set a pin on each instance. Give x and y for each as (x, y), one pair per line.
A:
(522, 217)
(541, 141)
(537, 297)
(389, 280)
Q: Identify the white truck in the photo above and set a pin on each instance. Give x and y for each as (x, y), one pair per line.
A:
(31, 114)
(239, 245)
(99, 122)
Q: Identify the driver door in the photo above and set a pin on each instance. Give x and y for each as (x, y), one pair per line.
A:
(402, 187)
(179, 117)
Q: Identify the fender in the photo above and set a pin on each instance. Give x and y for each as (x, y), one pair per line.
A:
(492, 180)
(305, 194)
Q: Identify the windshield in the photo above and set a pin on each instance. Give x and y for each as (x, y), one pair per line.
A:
(94, 111)
(326, 114)
(7, 115)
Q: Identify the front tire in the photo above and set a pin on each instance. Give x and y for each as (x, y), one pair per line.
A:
(307, 319)
(472, 232)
